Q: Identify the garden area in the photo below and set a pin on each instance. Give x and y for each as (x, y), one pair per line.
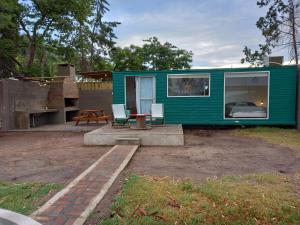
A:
(249, 199)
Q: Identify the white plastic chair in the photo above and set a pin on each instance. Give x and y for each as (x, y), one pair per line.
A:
(119, 114)
(157, 113)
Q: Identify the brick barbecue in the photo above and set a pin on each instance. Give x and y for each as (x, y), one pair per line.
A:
(64, 94)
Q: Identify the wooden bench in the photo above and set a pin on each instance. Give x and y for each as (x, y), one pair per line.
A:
(95, 115)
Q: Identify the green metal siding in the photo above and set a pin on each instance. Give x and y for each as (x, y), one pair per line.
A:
(210, 110)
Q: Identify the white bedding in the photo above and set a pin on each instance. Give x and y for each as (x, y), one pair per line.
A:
(248, 112)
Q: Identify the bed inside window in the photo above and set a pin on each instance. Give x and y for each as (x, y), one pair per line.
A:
(246, 95)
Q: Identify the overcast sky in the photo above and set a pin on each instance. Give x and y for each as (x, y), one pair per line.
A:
(216, 31)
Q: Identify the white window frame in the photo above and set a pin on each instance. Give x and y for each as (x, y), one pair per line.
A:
(203, 75)
(247, 74)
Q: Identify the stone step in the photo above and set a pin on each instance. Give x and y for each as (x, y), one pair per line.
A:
(128, 141)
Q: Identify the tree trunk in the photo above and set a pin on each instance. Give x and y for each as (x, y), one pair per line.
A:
(31, 54)
(294, 31)
(298, 99)
(92, 56)
(42, 62)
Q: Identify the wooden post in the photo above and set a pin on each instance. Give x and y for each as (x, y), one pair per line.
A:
(298, 99)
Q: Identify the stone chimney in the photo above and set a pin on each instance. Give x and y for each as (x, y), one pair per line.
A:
(273, 61)
(64, 70)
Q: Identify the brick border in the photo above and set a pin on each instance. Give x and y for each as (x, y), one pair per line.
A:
(94, 202)
(61, 193)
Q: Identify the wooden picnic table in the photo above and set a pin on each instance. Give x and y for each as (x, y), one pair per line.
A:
(140, 121)
(91, 115)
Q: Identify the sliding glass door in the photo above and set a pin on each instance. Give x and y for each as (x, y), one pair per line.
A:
(144, 94)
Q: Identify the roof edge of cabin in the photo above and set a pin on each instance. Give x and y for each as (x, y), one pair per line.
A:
(206, 69)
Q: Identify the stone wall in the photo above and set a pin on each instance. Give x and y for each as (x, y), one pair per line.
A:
(18, 98)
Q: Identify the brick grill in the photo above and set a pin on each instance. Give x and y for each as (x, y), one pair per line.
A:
(64, 94)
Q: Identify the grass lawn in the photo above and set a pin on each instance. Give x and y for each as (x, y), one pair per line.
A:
(253, 199)
(25, 198)
(282, 136)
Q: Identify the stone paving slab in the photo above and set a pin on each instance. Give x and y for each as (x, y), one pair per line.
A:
(76, 201)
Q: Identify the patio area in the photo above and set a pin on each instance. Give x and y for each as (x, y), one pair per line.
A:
(65, 127)
(169, 135)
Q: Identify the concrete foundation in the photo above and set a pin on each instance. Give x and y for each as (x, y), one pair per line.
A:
(169, 135)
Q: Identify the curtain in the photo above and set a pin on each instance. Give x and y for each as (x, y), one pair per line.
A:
(144, 95)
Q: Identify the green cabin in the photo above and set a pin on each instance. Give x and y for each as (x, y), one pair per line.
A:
(235, 96)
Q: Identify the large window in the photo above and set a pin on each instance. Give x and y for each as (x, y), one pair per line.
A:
(246, 95)
(188, 85)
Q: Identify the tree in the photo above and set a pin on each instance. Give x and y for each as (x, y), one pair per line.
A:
(158, 56)
(128, 58)
(36, 34)
(153, 55)
(93, 38)
(8, 37)
(47, 18)
(280, 27)
(101, 32)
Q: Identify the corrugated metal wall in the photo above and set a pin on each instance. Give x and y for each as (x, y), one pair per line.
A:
(209, 110)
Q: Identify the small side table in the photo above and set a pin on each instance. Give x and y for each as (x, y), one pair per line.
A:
(140, 121)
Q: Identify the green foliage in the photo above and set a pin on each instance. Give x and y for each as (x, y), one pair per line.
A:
(24, 198)
(36, 35)
(256, 58)
(153, 55)
(128, 58)
(92, 39)
(44, 21)
(8, 36)
(158, 56)
(250, 199)
(280, 28)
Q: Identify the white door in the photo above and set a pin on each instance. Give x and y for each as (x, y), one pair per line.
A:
(144, 94)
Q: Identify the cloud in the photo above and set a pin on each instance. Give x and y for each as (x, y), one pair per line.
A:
(215, 31)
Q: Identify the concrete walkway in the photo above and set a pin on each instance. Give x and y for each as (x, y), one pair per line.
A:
(76, 201)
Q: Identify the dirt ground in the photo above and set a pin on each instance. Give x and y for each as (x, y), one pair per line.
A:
(52, 157)
(58, 157)
(207, 153)
(214, 153)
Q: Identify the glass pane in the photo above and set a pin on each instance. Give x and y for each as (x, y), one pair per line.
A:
(246, 97)
(146, 87)
(188, 86)
(146, 106)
